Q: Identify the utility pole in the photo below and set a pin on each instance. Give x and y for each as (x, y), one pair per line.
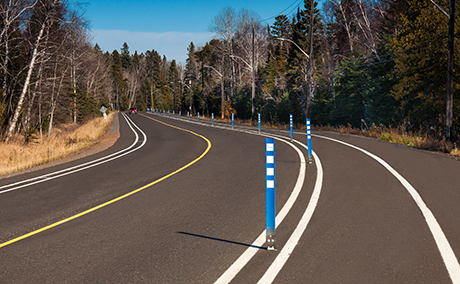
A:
(311, 62)
(450, 66)
(190, 95)
(222, 83)
(450, 71)
(252, 77)
(202, 82)
(152, 106)
(251, 67)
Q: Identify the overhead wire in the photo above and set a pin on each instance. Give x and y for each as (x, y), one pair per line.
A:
(281, 13)
(392, 53)
(385, 61)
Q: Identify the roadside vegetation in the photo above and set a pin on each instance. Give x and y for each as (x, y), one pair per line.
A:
(400, 135)
(22, 153)
(345, 63)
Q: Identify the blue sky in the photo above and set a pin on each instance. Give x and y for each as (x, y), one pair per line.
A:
(167, 26)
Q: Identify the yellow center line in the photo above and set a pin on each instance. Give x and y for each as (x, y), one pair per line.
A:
(120, 197)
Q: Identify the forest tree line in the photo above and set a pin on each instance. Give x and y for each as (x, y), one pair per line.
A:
(377, 62)
(49, 71)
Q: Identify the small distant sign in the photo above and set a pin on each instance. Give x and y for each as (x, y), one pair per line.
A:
(103, 109)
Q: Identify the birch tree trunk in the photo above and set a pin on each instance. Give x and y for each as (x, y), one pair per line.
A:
(54, 99)
(32, 99)
(17, 111)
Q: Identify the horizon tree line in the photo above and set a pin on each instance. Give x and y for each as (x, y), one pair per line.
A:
(354, 62)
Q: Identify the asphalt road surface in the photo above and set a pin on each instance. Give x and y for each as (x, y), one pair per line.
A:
(176, 201)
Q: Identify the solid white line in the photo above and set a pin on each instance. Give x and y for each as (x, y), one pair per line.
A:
(235, 268)
(80, 167)
(293, 240)
(281, 259)
(448, 255)
(77, 166)
(444, 247)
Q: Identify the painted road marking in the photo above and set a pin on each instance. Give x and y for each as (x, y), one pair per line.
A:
(244, 258)
(294, 239)
(84, 166)
(444, 247)
(120, 197)
(448, 255)
(247, 255)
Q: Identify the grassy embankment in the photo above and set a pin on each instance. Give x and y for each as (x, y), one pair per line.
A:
(65, 140)
(401, 136)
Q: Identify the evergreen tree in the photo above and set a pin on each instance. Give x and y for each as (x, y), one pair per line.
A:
(174, 84)
(349, 105)
(191, 74)
(299, 64)
(420, 43)
(125, 58)
(157, 78)
(276, 69)
(120, 85)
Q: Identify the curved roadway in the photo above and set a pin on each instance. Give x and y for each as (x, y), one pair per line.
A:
(191, 226)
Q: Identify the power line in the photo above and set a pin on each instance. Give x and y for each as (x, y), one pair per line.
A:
(392, 53)
(385, 61)
(281, 13)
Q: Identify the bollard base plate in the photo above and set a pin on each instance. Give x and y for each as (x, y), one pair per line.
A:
(271, 239)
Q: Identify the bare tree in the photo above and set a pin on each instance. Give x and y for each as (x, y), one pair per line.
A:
(224, 24)
(251, 39)
(95, 77)
(56, 90)
(363, 21)
(49, 17)
(11, 12)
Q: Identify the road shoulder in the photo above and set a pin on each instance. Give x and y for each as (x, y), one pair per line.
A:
(107, 141)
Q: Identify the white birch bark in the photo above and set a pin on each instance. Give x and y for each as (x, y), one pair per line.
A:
(17, 111)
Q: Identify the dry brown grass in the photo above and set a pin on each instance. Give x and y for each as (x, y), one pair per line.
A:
(455, 152)
(65, 140)
(401, 136)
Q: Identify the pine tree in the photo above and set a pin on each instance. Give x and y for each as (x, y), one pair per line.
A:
(421, 63)
(120, 85)
(276, 69)
(174, 84)
(125, 58)
(300, 66)
(191, 74)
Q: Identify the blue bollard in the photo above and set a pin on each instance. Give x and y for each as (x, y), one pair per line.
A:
(290, 124)
(258, 119)
(310, 160)
(270, 192)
